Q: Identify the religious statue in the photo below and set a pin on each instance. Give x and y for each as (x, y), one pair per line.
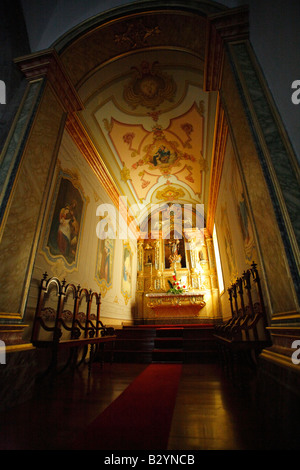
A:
(175, 257)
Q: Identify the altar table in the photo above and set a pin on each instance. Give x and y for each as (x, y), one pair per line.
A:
(187, 304)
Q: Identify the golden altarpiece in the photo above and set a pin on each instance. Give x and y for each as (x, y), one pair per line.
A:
(186, 262)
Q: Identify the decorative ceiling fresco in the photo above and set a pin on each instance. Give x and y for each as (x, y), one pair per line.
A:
(148, 117)
(150, 158)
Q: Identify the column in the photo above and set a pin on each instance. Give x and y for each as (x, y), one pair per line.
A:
(269, 170)
(30, 156)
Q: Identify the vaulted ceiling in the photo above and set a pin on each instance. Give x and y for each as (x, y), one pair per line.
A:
(148, 117)
(140, 80)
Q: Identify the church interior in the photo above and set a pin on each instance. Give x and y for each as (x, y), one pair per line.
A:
(149, 225)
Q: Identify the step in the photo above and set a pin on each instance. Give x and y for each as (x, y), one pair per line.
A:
(206, 333)
(168, 343)
(165, 343)
(132, 356)
(187, 324)
(135, 333)
(169, 332)
(167, 355)
(198, 345)
(134, 344)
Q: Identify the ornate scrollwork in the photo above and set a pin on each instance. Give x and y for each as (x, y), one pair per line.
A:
(149, 86)
(48, 313)
(136, 35)
(75, 333)
(92, 333)
(57, 334)
(67, 315)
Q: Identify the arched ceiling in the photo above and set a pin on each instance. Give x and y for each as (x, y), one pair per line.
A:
(140, 80)
(148, 117)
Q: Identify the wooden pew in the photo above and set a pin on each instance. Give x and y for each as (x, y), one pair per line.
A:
(59, 328)
(242, 338)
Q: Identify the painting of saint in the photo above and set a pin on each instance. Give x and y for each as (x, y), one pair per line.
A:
(126, 272)
(229, 251)
(65, 226)
(105, 258)
(243, 215)
(161, 156)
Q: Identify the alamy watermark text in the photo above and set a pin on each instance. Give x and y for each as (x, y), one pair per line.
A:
(2, 352)
(2, 92)
(296, 94)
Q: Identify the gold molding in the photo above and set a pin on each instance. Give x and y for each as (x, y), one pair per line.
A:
(219, 147)
(12, 348)
(283, 328)
(291, 315)
(280, 360)
(12, 333)
(10, 316)
(228, 26)
(47, 64)
(82, 140)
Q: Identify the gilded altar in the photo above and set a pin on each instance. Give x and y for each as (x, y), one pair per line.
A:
(191, 259)
(187, 304)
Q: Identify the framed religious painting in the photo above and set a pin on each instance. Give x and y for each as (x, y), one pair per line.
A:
(65, 223)
(126, 279)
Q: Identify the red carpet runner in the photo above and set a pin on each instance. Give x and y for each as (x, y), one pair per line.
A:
(140, 418)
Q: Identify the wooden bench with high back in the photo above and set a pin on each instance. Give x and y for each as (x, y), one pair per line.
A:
(242, 338)
(67, 324)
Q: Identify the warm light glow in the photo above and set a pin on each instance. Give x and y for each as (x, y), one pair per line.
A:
(183, 281)
(218, 261)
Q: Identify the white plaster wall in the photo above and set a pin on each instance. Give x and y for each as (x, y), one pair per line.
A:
(114, 308)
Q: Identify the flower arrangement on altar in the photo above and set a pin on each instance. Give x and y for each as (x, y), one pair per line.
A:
(175, 287)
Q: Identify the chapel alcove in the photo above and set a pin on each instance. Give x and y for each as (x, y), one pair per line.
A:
(175, 252)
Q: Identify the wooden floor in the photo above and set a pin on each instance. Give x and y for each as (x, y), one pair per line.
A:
(209, 413)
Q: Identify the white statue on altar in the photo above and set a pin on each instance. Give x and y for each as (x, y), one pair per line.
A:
(175, 257)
